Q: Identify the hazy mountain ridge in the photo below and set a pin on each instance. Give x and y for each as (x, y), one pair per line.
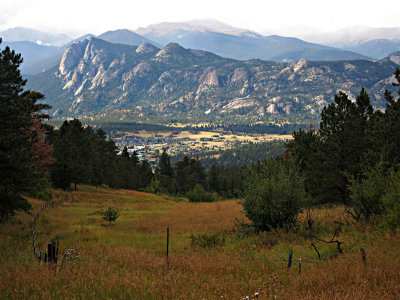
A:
(209, 35)
(373, 42)
(242, 44)
(19, 34)
(32, 53)
(104, 80)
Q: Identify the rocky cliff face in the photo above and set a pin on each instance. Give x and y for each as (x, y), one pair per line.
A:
(395, 57)
(99, 79)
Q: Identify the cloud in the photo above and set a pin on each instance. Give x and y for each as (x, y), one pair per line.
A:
(97, 16)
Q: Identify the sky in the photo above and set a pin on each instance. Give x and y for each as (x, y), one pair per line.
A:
(77, 17)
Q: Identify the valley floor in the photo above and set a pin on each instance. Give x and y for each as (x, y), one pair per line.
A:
(126, 260)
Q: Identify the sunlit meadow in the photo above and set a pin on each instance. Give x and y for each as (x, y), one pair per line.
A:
(127, 259)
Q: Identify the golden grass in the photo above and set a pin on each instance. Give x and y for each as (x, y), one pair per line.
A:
(127, 259)
(210, 134)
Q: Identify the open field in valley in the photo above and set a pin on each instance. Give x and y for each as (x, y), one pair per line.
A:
(127, 260)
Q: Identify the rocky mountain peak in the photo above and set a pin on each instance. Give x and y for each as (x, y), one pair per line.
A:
(146, 48)
(171, 49)
(395, 57)
(72, 56)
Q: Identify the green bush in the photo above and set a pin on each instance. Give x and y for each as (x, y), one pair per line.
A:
(45, 195)
(199, 194)
(274, 196)
(153, 187)
(366, 195)
(378, 194)
(391, 201)
(110, 215)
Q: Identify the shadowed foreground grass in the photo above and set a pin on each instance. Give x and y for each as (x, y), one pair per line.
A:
(127, 259)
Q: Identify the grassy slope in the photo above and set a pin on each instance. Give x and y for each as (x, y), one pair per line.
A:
(127, 259)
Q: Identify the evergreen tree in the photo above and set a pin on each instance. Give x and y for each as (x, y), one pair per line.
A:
(275, 197)
(125, 152)
(188, 173)
(164, 166)
(387, 127)
(70, 151)
(145, 174)
(213, 179)
(19, 111)
(343, 148)
(165, 173)
(303, 148)
(106, 160)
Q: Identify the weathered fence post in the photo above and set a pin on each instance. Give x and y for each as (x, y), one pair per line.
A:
(300, 265)
(49, 253)
(363, 256)
(290, 260)
(53, 250)
(167, 245)
(58, 243)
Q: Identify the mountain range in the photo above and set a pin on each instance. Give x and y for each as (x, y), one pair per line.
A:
(42, 50)
(373, 42)
(200, 71)
(101, 80)
(243, 44)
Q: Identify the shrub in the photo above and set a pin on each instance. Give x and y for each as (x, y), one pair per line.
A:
(199, 194)
(45, 195)
(391, 201)
(110, 215)
(366, 195)
(377, 194)
(153, 187)
(274, 197)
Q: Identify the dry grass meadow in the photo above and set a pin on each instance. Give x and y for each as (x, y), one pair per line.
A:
(127, 259)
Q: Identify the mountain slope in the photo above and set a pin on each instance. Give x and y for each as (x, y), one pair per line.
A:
(32, 53)
(102, 80)
(352, 36)
(378, 48)
(373, 42)
(125, 36)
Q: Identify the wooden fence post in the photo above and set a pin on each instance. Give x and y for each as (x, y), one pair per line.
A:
(49, 253)
(290, 260)
(58, 243)
(53, 250)
(300, 265)
(363, 256)
(167, 245)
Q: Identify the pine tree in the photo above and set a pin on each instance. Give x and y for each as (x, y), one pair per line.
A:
(387, 127)
(165, 173)
(18, 111)
(71, 152)
(343, 146)
(213, 179)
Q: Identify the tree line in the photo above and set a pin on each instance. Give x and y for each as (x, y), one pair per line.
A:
(85, 156)
(243, 155)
